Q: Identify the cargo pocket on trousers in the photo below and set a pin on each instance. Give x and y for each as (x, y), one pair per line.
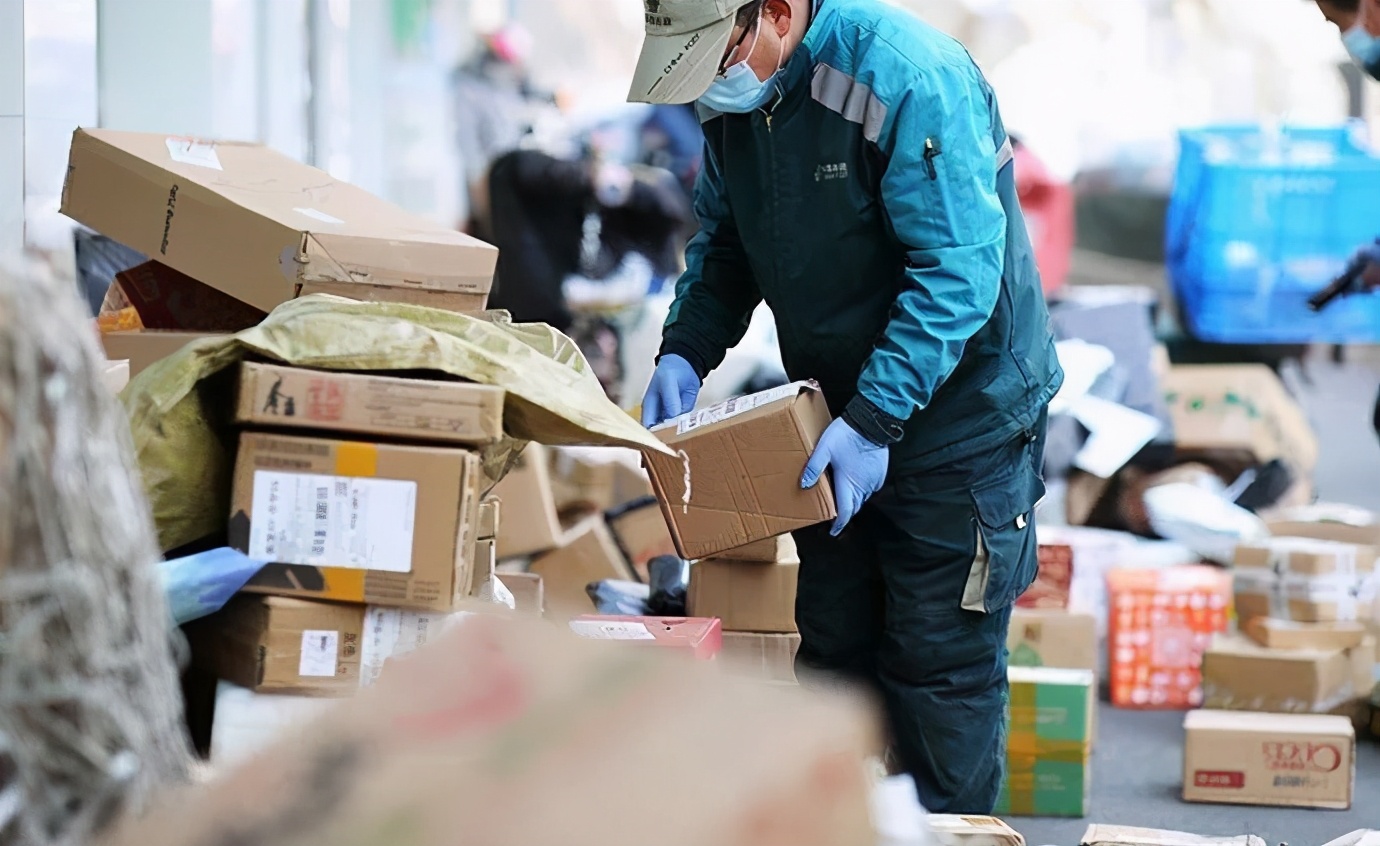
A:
(1006, 557)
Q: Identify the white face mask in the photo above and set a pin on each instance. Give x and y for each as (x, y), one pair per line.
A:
(738, 90)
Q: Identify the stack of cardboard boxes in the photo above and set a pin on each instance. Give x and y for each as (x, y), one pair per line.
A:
(233, 230)
(752, 591)
(364, 495)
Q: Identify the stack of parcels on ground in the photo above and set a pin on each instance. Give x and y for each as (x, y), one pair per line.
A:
(233, 230)
(751, 589)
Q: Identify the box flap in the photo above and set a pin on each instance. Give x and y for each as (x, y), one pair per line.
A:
(1316, 724)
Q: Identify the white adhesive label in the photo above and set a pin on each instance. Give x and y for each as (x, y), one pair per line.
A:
(390, 632)
(734, 407)
(193, 152)
(333, 521)
(319, 652)
(612, 630)
(317, 214)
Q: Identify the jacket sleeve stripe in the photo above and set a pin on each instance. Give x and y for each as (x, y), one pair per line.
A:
(852, 100)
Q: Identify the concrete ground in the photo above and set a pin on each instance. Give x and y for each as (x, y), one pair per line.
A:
(1138, 758)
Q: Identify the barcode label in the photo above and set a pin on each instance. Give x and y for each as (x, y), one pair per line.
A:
(333, 521)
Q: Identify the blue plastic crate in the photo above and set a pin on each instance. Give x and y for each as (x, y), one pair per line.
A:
(1260, 220)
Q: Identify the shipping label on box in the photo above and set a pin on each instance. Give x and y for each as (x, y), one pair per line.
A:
(391, 632)
(1050, 743)
(367, 404)
(271, 644)
(748, 597)
(356, 522)
(1052, 639)
(698, 638)
(1290, 760)
(736, 478)
(1161, 623)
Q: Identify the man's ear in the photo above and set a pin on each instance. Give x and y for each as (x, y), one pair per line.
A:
(779, 12)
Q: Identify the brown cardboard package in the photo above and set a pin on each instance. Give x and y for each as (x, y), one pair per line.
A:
(490, 517)
(1326, 521)
(739, 479)
(761, 657)
(1287, 634)
(357, 522)
(530, 524)
(597, 478)
(1289, 760)
(273, 644)
(642, 535)
(142, 349)
(777, 550)
(462, 302)
(527, 590)
(274, 396)
(748, 597)
(501, 731)
(590, 554)
(256, 224)
(1239, 675)
(1053, 639)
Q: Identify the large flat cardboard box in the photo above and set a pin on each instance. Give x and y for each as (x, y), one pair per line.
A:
(778, 550)
(276, 396)
(356, 522)
(1240, 675)
(736, 478)
(1287, 760)
(1238, 415)
(590, 554)
(761, 657)
(502, 730)
(1052, 639)
(272, 644)
(701, 639)
(1049, 747)
(143, 349)
(530, 523)
(1287, 634)
(748, 597)
(256, 224)
(1160, 623)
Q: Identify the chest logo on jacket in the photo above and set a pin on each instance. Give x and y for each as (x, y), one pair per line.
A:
(830, 172)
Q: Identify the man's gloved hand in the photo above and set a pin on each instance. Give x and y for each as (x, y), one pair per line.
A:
(675, 385)
(859, 469)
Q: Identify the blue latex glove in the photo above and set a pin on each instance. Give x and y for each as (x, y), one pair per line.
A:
(859, 469)
(675, 385)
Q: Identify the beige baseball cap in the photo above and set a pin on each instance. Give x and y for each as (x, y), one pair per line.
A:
(686, 40)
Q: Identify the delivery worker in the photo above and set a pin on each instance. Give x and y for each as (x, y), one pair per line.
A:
(858, 179)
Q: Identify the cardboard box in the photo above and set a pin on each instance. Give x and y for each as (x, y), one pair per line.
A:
(761, 657)
(1287, 634)
(1120, 835)
(464, 302)
(1161, 623)
(1326, 521)
(301, 502)
(1289, 760)
(490, 517)
(1052, 639)
(698, 638)
(527, 590)
(642, 535)
(275, 396)
(743, 459)
(954, 830)
(1049, 747)
(1257, 593)
(1240, 675)
(777, 550)
(143, 349)
(530, 524)
(1053, 582)
(168, 300)
(1238, 415)
(256, 224)
(271, 644)
(590, 554)
(449, 737)
(597, 478)
(747, 597)
(1329, 599)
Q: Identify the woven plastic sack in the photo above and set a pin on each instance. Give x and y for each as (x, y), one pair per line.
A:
(180, 408)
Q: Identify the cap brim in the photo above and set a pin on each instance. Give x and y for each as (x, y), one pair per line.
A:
(675, 69)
